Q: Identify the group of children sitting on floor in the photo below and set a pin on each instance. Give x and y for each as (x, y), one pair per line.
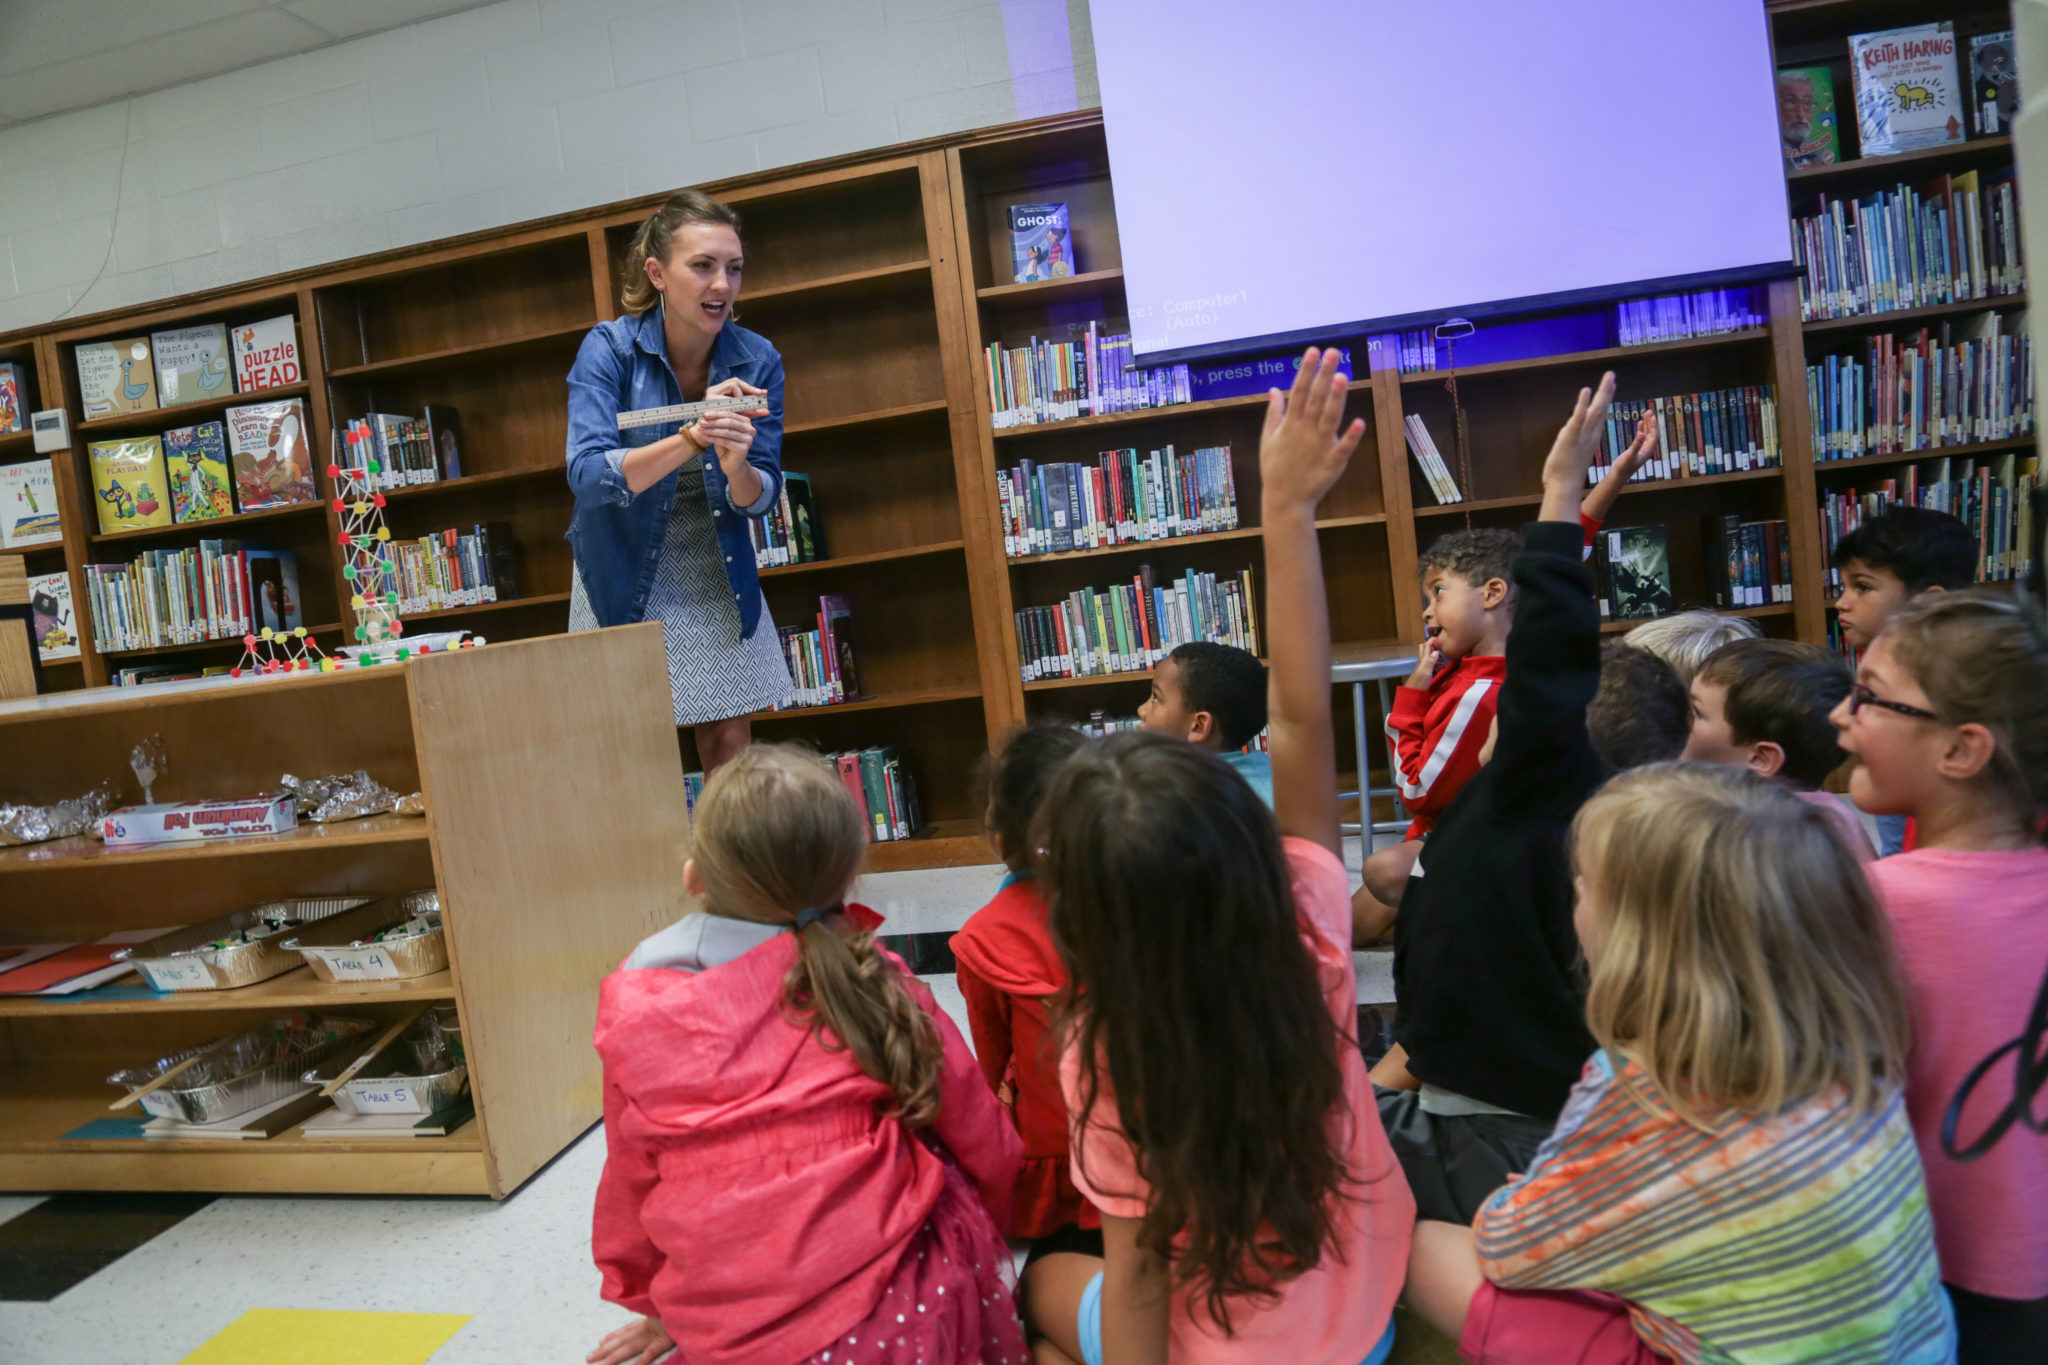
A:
(1676, 1058)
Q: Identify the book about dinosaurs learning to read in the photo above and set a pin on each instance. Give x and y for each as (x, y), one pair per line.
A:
(28, 505)
(267, 354)
(1806, 116)
(270, 453)
(129, 484)
(115, 377)
(192, 364)
(1907, 94)
(196, 463)
(1994, 83)
(1041, 242)
(56, 624)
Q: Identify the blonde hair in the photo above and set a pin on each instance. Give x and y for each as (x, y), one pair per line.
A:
(1684, 641)
(1981, 656)
(776, 834)
(653, 238)
(1744, 961)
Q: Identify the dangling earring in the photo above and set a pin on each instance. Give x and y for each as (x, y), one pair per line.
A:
(733, 312)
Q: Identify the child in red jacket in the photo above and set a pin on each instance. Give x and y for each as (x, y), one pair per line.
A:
(800, 1166)
(1010, 975)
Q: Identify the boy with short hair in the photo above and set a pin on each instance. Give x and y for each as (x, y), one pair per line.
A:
(1885, 563)
(1214, 697)
(1765, 705)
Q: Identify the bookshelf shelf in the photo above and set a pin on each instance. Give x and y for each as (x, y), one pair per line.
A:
(922, 697)
(53, 547)
(853, 282)
(296, 989)
(17, 445)
(874, 557)
(1822, 468)
(1173, 544)
(223, 642)
(182, 414)
(1178, 412)
(1877, 168)
(1647, 486)
(1607, 354)
(1143, 675)
(82, 852)
(471, 483)
(1086, 285)
(1898, 317)
(941, 843)
(207, 529)
(547, 599)
(878, 417)
(1754, 613)
(457, 355)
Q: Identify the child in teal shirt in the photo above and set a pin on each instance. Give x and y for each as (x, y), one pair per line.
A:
(1214, 697)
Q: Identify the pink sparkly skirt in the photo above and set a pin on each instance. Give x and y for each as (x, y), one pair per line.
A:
(951, 1300)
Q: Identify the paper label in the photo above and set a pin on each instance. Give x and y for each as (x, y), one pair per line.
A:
(371, 1098)
(370, 964)
(181, 974)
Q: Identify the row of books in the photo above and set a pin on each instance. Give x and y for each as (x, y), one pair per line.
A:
(1119, 500)
(1680, 317)
(1413, 352)
(820, 658)
(186, 365)
(1718, 431)
(791, 532)
(215, 590)
(406, 450)
(453, 568)
(1944, 242)
(1907, 87)
(1966, 381)
(1430, 460)
(1056, 381)
(1989, 496)
(256, 457)
(876, 778)
(28, 505)
(1129, 627)
(1749, 563)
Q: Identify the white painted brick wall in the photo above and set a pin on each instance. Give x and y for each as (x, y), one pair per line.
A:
(518, 110)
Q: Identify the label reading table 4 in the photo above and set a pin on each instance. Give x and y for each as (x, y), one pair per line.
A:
(371, 964)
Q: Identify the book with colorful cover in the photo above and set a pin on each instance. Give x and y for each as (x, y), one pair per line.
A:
(28, 505)
(196, 461)
(56, 624)
(192, 364)
(13, 398)
(115, 377)
(1907, 93)
(271, 455)
(1041, 242)
(1994, 83)
(267, 354)
(1806, 116)
(130, 488)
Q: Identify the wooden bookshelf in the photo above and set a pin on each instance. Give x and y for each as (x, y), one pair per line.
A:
(554, 841)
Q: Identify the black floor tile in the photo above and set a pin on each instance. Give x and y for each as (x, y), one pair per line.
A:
(69, 1237)
(927, 954)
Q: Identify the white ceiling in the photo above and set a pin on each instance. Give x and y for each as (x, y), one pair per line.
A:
(68, 54)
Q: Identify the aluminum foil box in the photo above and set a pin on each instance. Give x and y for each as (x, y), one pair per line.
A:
(193, 821)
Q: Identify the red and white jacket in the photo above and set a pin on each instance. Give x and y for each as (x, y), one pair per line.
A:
(1438, 731)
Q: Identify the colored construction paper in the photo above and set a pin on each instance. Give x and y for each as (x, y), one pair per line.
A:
(100, 1130)
(299, 1336)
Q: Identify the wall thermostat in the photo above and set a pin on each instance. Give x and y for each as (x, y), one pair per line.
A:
(52, 430)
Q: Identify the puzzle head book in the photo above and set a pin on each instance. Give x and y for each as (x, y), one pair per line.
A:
(1041, 242)
(267, 354)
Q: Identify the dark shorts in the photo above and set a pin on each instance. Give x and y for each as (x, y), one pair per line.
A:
(1454, 1164)
(1999, 1331)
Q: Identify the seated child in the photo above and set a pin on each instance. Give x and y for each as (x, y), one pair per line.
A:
(1684, 641)
(1886, 562)
(1763, 705)
(1489, 1024)
(1010, 977)
(798, 1153)
(1214, 697)
(1734, 1175)
(1223, 1123)
(1950, 720)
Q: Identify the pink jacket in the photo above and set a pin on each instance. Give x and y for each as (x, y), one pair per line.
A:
(753, 1199)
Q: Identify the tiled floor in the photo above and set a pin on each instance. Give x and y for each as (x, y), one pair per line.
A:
(520, 1268)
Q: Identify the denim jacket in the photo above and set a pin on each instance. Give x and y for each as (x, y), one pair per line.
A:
(616, 534)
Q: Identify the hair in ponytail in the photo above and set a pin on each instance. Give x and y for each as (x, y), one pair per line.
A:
(652, 239)
(776, 834)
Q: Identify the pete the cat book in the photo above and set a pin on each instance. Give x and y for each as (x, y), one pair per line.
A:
(128, 484)
(196, 462)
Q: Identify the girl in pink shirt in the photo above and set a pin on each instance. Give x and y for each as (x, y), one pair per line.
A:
(803, 1161)
(1950, 719)
(1222, 1121)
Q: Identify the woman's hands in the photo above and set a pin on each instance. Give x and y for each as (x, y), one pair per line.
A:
(637, 1343)
(731, 434)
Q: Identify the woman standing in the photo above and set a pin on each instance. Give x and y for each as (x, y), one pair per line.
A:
(659, 531)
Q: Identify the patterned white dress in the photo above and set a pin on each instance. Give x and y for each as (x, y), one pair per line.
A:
(713, 674)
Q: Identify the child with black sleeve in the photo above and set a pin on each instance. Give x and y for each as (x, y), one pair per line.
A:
(1490, 1020)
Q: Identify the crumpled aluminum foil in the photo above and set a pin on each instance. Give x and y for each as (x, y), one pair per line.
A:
(34, 824)
(416, 804)
(345, 796)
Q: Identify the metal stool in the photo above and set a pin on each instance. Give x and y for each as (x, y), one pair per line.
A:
(1381, 664)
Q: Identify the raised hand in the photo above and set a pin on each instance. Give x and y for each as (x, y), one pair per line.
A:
(1639, 452)
(1304, 446)
(1571, 454)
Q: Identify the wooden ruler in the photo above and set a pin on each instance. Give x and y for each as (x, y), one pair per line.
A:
(690, 412)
